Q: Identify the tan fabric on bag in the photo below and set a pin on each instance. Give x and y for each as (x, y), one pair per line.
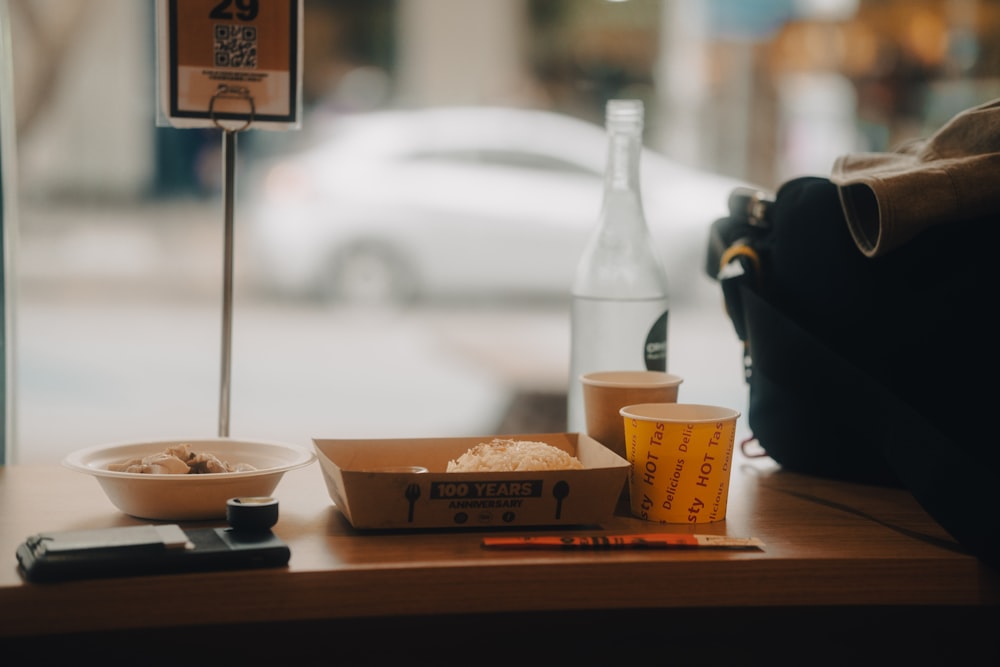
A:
(888, 198)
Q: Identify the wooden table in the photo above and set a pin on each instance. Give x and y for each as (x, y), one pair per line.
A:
(842, 563)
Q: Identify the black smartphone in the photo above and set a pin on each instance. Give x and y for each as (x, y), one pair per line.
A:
(146, 549)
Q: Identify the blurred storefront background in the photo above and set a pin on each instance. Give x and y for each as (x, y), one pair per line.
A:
(760, 90)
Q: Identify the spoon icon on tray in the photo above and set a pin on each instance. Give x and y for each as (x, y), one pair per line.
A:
(559, 491)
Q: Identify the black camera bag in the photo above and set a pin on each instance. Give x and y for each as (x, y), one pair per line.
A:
(879, 370)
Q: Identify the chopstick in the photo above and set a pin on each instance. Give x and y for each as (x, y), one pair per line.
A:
(636, 541)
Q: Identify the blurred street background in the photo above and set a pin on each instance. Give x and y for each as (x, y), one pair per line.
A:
(119, 338)
(114, 226)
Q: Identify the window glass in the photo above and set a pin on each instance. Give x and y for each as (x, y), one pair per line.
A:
(385, 297)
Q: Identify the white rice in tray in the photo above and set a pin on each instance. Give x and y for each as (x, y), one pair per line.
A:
(506, 455)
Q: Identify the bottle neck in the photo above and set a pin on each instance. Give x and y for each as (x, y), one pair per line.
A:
(622, 173)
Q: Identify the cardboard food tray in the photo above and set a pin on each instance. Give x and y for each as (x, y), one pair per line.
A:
(371, 498)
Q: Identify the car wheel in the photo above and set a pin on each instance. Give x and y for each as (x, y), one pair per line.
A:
(370, 273)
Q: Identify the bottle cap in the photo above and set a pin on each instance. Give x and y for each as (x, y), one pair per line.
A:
(624, 114)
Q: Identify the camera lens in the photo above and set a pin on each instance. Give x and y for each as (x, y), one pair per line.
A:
(256, 513)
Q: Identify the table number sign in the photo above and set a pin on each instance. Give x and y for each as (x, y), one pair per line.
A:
(229, 63)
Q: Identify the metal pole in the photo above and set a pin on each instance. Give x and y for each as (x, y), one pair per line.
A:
(228, 188)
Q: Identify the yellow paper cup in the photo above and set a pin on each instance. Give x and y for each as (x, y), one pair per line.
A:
(681, 455)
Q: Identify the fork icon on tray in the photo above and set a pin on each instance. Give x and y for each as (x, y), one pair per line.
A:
(412, 493)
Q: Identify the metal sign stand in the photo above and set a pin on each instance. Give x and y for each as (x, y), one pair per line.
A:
(243, 60)
(228, 194)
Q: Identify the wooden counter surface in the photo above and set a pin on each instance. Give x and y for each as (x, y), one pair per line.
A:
(827, 544)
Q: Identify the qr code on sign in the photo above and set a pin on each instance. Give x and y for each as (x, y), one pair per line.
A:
(235, 46)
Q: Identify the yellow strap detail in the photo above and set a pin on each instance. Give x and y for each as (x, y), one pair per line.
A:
(734, 251)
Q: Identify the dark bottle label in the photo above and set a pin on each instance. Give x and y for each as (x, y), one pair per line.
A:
(655, 350)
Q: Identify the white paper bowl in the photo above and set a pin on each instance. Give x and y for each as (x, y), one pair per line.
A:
(193, 496)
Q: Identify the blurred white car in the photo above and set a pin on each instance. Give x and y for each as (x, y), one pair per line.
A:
(453, 202)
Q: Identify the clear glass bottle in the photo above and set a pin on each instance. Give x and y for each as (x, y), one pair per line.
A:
(620, 302)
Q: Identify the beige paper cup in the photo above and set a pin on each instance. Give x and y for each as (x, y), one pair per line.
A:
(681, 455)
(605, 393)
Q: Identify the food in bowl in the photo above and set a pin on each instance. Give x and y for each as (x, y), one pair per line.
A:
(179, 460)
(181, 497)
(509, 455)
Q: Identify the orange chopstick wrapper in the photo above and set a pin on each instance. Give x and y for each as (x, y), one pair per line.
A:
(641, 541)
